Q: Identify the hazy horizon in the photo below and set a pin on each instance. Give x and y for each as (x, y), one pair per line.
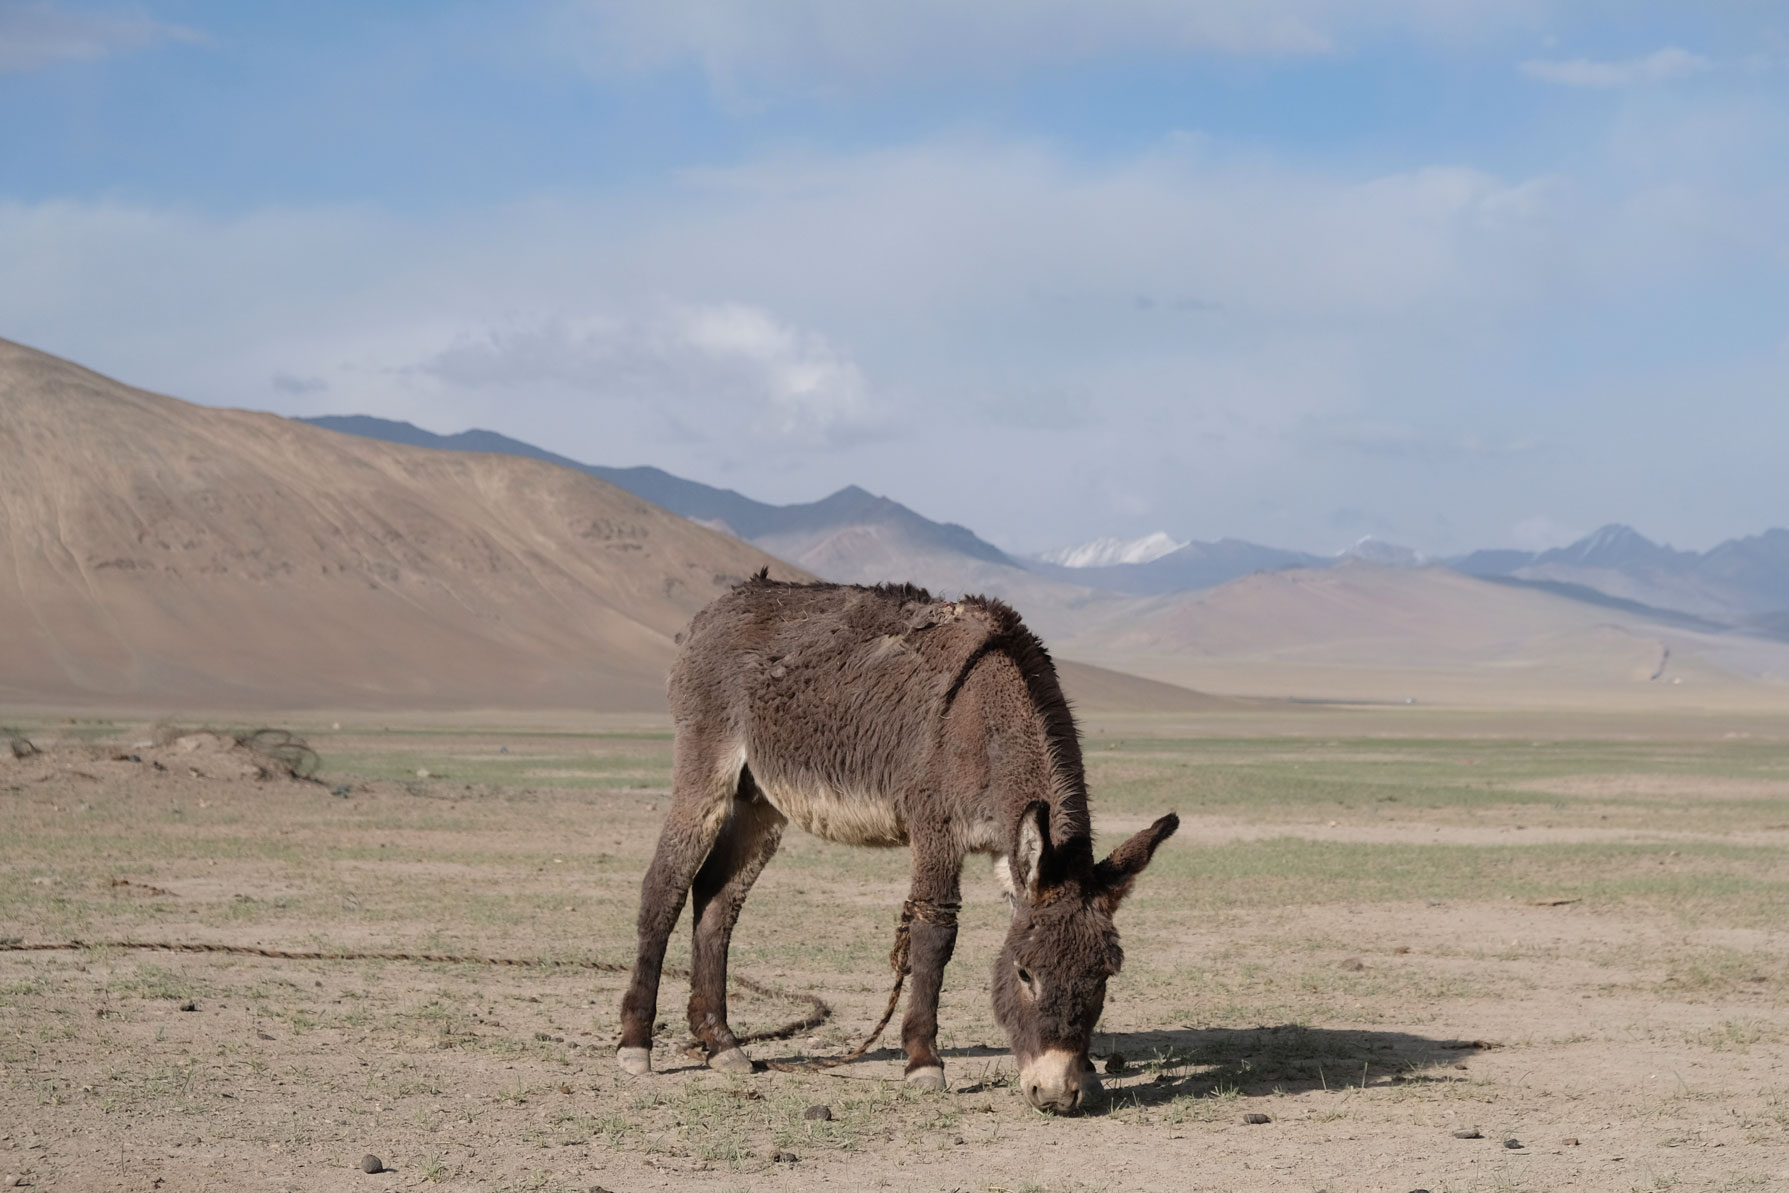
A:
(1457, 276)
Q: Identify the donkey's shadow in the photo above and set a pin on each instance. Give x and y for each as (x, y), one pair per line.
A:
(1149, 1068)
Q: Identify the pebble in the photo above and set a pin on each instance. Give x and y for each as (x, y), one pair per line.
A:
(1512, 1144)
(371, 1163)
(1255, 1120)
(1116, 1063)
(786, 1158)
(1569, 1141)
(1353, 965)
(817, 1114)
(1469, 1133)
(189, 1005)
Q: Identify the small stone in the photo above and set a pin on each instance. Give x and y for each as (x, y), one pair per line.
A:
(817, 1114)
(1469, 1133)
(1116, 1063)
(261, 1035)
(1353, 965)
(957, 1141)
(370, 1163)
(1256, 1120)
(1569, 1141)
(1512, 1144)
(189, 1005)
(786, 1158)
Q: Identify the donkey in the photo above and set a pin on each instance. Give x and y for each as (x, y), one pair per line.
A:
(880, 716)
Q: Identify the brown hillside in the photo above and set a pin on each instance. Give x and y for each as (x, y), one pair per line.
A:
(153, 552)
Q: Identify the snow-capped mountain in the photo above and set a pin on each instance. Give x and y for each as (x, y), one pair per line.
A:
(1106, 552)
(1376, 550)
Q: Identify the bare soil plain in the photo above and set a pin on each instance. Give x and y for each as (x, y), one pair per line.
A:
(1382, 930)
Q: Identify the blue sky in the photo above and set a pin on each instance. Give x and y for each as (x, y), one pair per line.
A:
(1457, 273)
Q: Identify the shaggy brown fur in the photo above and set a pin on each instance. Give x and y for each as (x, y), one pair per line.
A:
(879, 716)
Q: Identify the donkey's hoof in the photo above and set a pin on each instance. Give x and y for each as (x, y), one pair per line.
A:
(927, 1077)
(733, 1060)
(637, 1061)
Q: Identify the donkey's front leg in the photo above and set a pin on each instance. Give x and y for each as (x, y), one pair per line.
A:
(931, 939)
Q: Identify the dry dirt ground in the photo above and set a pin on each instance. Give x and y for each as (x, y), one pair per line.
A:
(1380, 939)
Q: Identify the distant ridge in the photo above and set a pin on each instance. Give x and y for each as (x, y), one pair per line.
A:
(1738, 582)
(724, 509)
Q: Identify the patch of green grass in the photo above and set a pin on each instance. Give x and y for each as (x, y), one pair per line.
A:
(1693, 880)
(1279, 777)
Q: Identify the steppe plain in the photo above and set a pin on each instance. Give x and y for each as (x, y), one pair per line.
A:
(1381, 928)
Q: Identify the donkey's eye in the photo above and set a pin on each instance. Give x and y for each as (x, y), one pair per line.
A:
(1026, 980)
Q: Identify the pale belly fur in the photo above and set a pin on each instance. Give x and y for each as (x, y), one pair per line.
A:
(845, 818)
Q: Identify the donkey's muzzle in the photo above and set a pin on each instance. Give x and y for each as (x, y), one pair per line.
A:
(1053, 1081)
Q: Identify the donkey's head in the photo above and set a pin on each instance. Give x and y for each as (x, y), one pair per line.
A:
(1050, 978)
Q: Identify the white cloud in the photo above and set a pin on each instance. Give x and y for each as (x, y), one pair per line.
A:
(1660, 66)
(36, 33)
(730, 367)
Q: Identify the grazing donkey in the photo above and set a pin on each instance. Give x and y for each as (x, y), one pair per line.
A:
(879, 716)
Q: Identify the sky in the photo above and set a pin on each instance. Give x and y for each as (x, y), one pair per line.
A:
(1452, 273)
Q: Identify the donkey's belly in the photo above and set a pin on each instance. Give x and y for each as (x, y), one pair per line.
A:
(847, 818)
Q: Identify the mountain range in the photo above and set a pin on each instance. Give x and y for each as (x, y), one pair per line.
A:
(855, 536)
(1740, 582)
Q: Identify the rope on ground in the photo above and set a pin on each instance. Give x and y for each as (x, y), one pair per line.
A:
(944, 914)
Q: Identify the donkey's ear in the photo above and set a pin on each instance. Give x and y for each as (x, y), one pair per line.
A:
(1115, 875)
(1031, 849)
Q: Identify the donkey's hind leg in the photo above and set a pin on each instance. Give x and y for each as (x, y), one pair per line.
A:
(747, 842)
(703, 782)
